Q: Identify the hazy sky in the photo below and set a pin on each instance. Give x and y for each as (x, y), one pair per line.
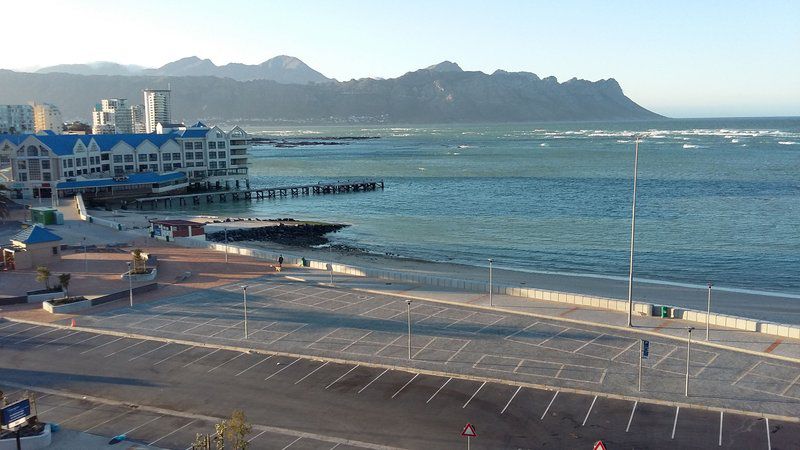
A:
(678, 58)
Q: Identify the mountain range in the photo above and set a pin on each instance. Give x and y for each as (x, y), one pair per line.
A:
(285, 90)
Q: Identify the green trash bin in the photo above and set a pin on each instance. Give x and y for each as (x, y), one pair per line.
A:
(664, 312)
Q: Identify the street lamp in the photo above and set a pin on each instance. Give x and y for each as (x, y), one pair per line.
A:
(85, 262)
(226, 244)
(633, 231)
(244, 294)
(491, 303)
(688, 350)
(708, 310)
(408, 310)
(130, 283)
(330, 257)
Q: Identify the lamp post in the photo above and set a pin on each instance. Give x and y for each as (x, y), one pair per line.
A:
(330, 257)
(244, 295)
(708, 310)
(85, 261)
(633, 232)
(226, 244)
(688, 351)
(491, 303)
(130, 283)
(408, 310)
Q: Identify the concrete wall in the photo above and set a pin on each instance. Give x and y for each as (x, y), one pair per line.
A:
(89, 218)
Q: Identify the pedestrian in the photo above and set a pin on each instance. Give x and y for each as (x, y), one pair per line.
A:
(280, 261)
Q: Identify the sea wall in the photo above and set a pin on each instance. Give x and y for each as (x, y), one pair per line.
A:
(84, 214)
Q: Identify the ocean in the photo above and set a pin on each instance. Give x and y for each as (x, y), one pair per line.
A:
(717, 199)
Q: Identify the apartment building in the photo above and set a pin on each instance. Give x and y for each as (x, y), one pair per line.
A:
(47, 117)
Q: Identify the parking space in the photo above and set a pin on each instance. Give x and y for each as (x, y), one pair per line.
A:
(771, 378)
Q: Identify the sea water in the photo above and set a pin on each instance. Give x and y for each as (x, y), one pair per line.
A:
(717, 199)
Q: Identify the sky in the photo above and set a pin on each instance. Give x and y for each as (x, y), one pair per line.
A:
(701, 58)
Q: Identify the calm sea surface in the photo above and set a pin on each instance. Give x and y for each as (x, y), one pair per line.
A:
(718, 199)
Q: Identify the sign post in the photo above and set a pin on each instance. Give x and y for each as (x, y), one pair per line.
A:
(644, 347)
(469, 432)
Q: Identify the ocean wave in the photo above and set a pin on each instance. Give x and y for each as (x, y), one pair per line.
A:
(542, 145)
(787, 142)
(690, 146)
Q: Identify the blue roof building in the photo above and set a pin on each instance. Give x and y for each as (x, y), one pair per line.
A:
(35, 235)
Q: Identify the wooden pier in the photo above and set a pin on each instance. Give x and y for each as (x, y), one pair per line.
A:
(262, 193)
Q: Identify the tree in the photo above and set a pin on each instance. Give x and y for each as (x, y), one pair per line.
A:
(64, 280)
(4, 203)
(233, 431)
(138, 261)
(43, 276)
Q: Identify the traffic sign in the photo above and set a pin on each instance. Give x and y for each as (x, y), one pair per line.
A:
(599, 444)
(16, 414)
(469, 431)
(645, 349)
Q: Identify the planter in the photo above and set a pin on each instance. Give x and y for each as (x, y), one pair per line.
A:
(150, 275)
(67, 307)
(44, 294)
(39, 441)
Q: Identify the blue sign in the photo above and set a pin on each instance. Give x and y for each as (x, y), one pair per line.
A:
(16, 413)
(645, 349)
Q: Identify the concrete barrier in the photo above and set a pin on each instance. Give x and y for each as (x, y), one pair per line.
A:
(40, 441)
(85, 216)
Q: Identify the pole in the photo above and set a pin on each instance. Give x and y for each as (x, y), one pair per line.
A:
(491, 303)
(641, 350)
(467, 442)
(330, 256)
(244, 295)
(633, 233)
(688, 350)
(226, 244)
(708, 310)
(85, 261)
(130, 283)
(408, 310)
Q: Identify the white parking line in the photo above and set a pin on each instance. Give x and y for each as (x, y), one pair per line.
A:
(226, 362)
(373, 380)
(79, 342)
(769, 440)
(457, 351)
(587, 343)
(57, 339)
(404, 386)
(284, 368)
(675, 423)
(512, 398)
(549, 405)
(172, 432)
(198, 359)
(487, 326)
(344, 375)
(335, 446)
(106, 421)
(541, 344)
(720, 427)
(623, 351)
(198, 325)
(664, 358)
(249, 440)
(589, 411)
(9, 324)
(140, 426)
(792, 383)
(474, 394)
(460, 320)
(423, 348)
(245, 370)
(292, 443)
(70, 418)
(312, 372)
(125, 348)
(34, 337)
(631, 419)
(173, 355)
(102, 345)
(356, 341)
(149, 351)
(745, 373)
(323, 337)
(440, 388)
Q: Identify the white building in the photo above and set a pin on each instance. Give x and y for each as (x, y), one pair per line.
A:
(157, 108)
(108, 164)
(47, 117)
(137, 119)
(112, 115)
(16, 119)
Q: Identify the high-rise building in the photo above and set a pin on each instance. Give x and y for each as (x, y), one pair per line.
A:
(47, 117)
(157, 108)
(16, 119)
(137, 119)
(112, 115)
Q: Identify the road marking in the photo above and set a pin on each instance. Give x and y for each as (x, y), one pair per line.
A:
(335, 446)
(249, 440)
(675, 423)
(125, 348)
(474, 394)
(440, 388)
(713, 358)
(198, 359)
(245, 370)
(589, 342)
(458, 351)
(589, 412)
(57, 339)
(312, 372)
(79, 414)
(631, 419)
(172, 432)
(569, 311)
(744, 374)
(423, 348)
(512, 398)
(623, 351)
(149, 351)
(769, 441)
(292, 443)
(106, 421)
(355, 341)
(176, 354)
(344, 375)
(373, 380)
(323, 337)
(491, 324)
(541, 344)
(140, 426)
(101, 345)
(18, 332)
(282, 369)
(226, 362)
(549, 405)
(773, 346)
(404, 386)
(792, 383)
(664, 358)
(720, 427)
(34, 337)
(8, 325)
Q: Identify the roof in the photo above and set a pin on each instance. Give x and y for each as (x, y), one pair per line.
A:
(134, 178)
(35, 235)
(177, 222)
(194, 133)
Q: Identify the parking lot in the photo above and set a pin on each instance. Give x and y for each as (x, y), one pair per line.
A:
(334, 401)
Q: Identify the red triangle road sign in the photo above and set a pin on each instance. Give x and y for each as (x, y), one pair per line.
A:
(469, 431)
(599, 446)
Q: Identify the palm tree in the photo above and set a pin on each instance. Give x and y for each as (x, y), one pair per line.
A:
(64, 280)
(138, 261)
(43, 276)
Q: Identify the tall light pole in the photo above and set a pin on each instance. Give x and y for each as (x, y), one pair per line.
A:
(688, 351)
(491, 303)
(330, 257)
(85, 261)
(226, 244)
(708, 310)
(244, 295)
(408, 310)
(130, 283)
(633, 232)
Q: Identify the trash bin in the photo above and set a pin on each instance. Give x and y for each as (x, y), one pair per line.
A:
(665, 312)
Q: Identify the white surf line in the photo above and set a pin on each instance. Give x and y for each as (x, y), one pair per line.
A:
(404, 386)
(373, 380)
(769, 440)
(172, 432)
(198, 359)
(511, 399)
(226, 362)
(440, 388)
(57, 339)
(631, 418)
(720, 427)
(149, 351)
(245, 370)
(589, 411)
(125, 348)
(102, 345)
(282, 369)
(312, 372)
(474, 394)
(173, 355)
(549, 405)
(292, 443)
(343, 375)
(675, 423)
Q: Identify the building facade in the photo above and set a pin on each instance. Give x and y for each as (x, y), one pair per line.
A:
(16, 119)
(157, 108)
(112, 115)
(137, 119)
(47, 117)
(209, 157)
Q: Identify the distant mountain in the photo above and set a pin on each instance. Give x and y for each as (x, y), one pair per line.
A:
(282, 69)
(442, 93)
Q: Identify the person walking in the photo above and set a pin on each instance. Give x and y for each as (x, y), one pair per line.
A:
(280, 261)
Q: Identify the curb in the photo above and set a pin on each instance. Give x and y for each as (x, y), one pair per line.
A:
(435, 373)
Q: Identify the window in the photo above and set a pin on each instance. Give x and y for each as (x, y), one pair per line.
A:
(198, 145)
(177, 165)
(153, 157)
(167, 167)
(154, 167)
(118, 170)
(43, 152)
(211, 155)
(212, 165)
(199, 173)
(117, 159)
(128, 167)
(189, 164)
(167, 156)
(129, 158)
(55, 250)
(46, 176)
(69, 163)
(189, 155)
(142, 157)
(221, 144)
(176, 156)
(212, 145)
(33, 151)
(23, 177)
(222, 164)
(221, 155)
(142, 167)
(187, 145)
(84, 161)
(198, 155)
(45, 164)
(77, 162)
(104, 157)
(71, 173)
(200, 164)
(22, 165)
(106, 167)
